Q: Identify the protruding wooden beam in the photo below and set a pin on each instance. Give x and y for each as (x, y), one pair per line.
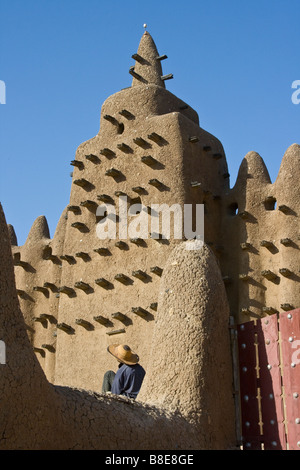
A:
(244, 277)
(69, 258)
(107, 152)
(100, 319)
(122, 245)
(124, 148)
(153, 306)
(155, 182)
(148, 160)
(121, 193)
(286, 241)
(138, 58)
(246, 311)
(267, 244)
(141, 142)
(169, 76)
(269, 274)
(66, 290)
(115, 332)
(92, 205)
(244, 215)
(118, 316)
(102, 251)
(51, 286)
(155, 137)
(137, 241)
(105, 198)
(80, 226)
(245, 246)
(103, 283)
(49, 347)
(139, 190)
(40, 320)
(48, 316)
(140, 274)
(83, 255)
(77, 163)
(122, 278)
(83, 286)
(113, 173)
(92, 158)
(66, 328)
(111, 119)
(285, 272)
(82, 182)
(134, 74)
(40, 351)
(287, 307)
(156, 270)
(140, 311)
(269, 310)
(86, 324)
(42, 289)
(127, 114)
(162, 57)
(75, 209)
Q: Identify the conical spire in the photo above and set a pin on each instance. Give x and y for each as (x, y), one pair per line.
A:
(12, 235)
(147, 68)
(38, 230)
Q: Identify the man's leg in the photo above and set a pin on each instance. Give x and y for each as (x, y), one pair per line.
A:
(107, 381)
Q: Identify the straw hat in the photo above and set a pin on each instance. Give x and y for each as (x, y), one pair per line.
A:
(123, 353)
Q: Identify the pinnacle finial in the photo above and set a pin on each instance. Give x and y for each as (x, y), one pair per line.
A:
(147, 68)
(145, 26)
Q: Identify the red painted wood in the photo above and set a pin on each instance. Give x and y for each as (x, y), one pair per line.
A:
(289, 325)
(270, 382)
(248, 386)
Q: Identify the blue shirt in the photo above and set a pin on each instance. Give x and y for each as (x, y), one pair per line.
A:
(128, 380)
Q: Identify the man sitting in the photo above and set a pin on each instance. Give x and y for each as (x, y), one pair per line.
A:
(130, 375)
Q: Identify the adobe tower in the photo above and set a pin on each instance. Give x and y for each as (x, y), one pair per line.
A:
(79, 293)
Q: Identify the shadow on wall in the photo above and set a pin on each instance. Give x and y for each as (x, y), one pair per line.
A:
(35, 414)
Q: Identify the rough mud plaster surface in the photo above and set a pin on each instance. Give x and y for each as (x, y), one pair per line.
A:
(190, 353)
(261, 240)
(37, 415)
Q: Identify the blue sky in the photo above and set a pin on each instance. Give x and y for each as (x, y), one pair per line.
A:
(233, 61)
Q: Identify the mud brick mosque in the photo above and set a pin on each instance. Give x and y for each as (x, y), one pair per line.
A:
(65, 299)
